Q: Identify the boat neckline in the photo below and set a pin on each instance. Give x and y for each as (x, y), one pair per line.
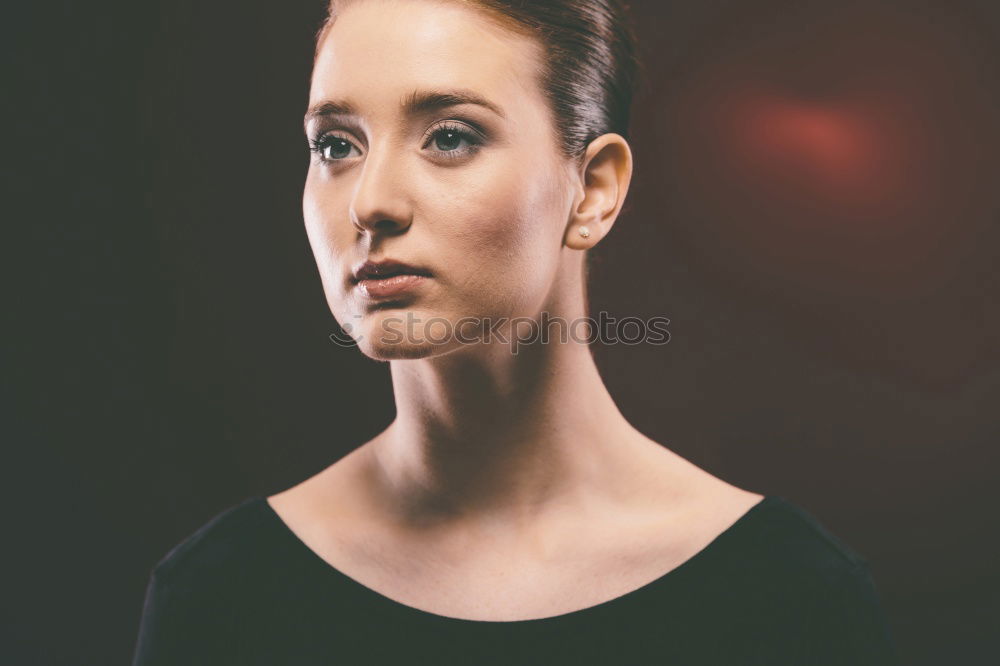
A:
(678, 572)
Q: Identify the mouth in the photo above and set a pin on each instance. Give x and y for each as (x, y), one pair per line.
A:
(387, 278)
(387, 268)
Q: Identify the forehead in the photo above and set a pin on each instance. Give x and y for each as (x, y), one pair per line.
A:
(378, 51)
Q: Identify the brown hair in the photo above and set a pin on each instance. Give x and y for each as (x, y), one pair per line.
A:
(591, 69)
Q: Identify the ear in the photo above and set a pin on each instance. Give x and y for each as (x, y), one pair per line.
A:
(605, 174)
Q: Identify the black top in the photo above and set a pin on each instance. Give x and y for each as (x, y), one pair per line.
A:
(774, 588)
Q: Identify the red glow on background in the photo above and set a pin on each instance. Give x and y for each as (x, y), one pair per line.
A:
(835, 154)
(843, 154)
(831, 146)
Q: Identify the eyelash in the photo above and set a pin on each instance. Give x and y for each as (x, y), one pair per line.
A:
(474, 141)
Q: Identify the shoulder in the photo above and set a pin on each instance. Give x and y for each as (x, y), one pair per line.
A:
(782, 551)
(196, 589)
(782, 555)
(837, 607)
(790, 572)
(787, 536)
(228, 538)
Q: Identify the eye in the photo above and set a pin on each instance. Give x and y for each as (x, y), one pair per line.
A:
(332, 148)
(448, 140)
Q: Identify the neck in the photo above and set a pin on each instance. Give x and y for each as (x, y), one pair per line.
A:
(506, 436)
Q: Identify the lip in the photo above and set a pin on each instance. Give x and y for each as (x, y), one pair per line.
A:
(386, 268)
(382, 279)
(390, 286)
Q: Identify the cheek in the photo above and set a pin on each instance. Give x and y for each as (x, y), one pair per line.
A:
(504, 231)
(329, 241)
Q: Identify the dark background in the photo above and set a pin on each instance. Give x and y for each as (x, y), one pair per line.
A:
(814, 207)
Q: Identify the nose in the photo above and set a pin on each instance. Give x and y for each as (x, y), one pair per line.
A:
(379, 203)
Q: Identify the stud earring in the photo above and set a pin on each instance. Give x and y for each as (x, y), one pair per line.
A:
(585, 232)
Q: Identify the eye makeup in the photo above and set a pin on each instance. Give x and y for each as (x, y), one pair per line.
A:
(334, 145)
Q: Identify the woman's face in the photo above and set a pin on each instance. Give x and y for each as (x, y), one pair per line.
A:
(480, 197)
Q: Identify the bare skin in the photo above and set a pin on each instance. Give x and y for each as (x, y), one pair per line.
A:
(590, 545)
(509, 486)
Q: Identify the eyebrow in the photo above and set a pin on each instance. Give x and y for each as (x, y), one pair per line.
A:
(416, 103)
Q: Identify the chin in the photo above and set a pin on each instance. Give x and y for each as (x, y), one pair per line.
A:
(403, 351)
(399, 352)
(383, 342)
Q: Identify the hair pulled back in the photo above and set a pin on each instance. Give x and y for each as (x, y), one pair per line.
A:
(591, 67)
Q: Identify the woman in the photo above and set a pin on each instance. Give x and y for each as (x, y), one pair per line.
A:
(466, 156)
